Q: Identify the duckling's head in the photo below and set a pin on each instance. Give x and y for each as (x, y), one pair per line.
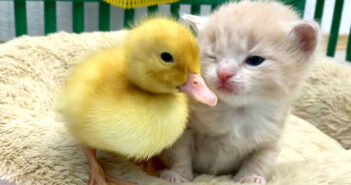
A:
(162, 56)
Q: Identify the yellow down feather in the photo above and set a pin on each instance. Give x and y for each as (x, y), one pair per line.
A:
(125, 99)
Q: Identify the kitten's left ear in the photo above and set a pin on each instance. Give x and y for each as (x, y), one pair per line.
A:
(307, 33)
(196, 22)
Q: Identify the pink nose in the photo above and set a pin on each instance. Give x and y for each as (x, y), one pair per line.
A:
(224, 76)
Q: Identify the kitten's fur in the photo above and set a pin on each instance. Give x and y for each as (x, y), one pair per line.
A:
(241, 135)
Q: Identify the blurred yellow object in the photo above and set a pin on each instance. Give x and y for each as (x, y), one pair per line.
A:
(127, 4)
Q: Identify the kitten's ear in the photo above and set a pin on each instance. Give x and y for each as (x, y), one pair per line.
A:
(307, 33)
(196, 22)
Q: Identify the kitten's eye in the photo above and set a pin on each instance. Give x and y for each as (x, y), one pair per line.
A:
(254, 60)
(212, 57)
(166, 57)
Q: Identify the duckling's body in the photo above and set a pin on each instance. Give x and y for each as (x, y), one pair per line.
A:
(112, 114)
(127, 99)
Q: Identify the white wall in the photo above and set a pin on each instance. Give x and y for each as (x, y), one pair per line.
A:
(35, 15)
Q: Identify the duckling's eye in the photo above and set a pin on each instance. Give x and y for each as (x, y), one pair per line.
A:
(166, 57)
(254, 60)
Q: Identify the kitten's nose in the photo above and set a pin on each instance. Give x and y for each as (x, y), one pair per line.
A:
(224, 76)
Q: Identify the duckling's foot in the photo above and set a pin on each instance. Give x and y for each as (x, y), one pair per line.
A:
(118, 181)
(97, 176)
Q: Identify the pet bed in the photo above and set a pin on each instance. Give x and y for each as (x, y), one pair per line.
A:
(35, 148)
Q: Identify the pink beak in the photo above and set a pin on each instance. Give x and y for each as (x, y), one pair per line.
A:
(196, 87)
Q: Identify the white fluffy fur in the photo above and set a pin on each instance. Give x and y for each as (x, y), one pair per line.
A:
(241, 135)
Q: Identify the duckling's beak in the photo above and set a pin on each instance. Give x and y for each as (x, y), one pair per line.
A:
(196, 87)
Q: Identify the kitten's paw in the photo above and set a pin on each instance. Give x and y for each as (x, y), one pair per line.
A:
(254, 179)
(173, 177)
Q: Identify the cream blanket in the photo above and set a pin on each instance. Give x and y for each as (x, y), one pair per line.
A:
(35, 149)
(325, 100)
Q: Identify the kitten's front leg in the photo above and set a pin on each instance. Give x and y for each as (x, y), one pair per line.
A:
(256, 168)
(178, 159)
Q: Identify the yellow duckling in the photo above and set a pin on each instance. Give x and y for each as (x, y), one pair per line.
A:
(127, 99)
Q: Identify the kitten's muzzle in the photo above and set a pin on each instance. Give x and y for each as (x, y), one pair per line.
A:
(224, 76)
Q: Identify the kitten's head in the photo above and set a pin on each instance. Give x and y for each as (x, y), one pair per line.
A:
(252, 51)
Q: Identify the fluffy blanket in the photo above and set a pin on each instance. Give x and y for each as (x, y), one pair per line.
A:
(35, 148)
(325, 100)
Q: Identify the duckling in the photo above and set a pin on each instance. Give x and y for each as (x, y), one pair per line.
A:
(131, 99)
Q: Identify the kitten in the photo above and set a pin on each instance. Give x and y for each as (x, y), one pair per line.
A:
(255, 55)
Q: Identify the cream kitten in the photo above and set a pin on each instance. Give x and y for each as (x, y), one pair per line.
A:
(255, 56)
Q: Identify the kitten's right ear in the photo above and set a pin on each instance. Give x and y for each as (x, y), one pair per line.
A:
(196, 22)
(307, 33)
